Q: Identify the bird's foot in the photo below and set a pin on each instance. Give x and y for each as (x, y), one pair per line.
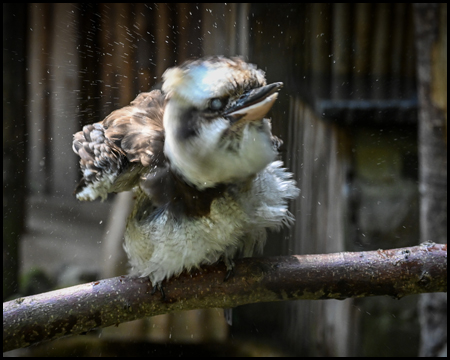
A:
(161, 290)
(229, 263)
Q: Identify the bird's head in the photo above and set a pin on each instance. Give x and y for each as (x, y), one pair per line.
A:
(214, 120)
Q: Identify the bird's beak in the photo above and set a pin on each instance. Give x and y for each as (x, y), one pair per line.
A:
(254, 104)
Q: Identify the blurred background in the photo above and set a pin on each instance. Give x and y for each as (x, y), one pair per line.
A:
(348, 116)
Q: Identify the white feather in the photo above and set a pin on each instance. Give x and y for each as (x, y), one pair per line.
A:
(205, 160)
(237, 222)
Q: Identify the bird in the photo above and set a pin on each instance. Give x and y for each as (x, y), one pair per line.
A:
(202, 162)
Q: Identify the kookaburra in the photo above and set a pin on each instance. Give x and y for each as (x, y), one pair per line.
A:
(202, 162)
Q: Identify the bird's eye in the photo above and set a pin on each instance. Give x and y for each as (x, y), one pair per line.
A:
(216, 104)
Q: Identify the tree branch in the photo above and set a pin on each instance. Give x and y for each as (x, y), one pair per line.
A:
(75, 310)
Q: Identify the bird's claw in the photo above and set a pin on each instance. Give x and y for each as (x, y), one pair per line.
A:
(228, 274)
(161, 290)
(230, 268)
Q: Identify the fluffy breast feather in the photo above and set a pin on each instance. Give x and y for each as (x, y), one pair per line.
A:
(161, 245)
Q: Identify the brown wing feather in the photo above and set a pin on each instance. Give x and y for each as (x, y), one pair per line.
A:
(116, 150)
(138, 129)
